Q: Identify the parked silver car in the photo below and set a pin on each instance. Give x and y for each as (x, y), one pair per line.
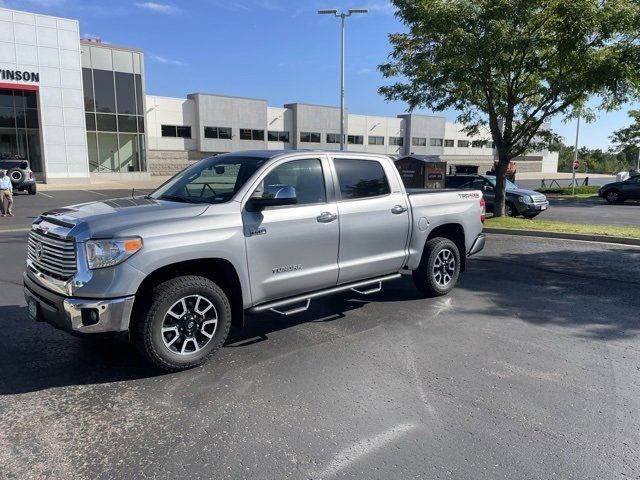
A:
(249, 231)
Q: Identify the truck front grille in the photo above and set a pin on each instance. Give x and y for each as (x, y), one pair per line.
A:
(539, 198)
(55, 257)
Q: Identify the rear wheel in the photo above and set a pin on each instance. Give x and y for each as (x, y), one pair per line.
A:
(183, 323)
(613, 196)
(439, 267)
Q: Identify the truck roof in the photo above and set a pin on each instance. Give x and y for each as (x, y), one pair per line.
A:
(278, 153)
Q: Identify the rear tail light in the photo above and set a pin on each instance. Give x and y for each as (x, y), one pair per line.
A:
(30, 175)
(483, 210)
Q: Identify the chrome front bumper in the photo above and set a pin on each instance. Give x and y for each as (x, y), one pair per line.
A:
(78, 315)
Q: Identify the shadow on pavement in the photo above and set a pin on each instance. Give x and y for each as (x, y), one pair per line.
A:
(593, 292)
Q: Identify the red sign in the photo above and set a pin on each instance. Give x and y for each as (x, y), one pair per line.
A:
(576, 164)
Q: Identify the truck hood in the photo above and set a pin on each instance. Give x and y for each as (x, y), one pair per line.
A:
(107, 218)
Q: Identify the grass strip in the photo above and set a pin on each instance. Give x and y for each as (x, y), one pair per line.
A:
(563, 227)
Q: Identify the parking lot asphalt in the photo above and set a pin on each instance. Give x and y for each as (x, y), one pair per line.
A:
(529, 369)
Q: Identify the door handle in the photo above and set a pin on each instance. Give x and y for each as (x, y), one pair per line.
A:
(326, 217)
(398, 209)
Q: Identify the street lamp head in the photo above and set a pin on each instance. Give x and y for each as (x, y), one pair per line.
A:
(330, 11)
(358, 10)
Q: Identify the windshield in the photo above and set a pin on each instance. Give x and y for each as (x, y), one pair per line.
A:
(510, 185)
(212, 180)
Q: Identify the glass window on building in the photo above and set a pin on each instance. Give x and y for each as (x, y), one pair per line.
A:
(183, 131)
(477, 143)
(222, 133)
(489, 144)
(463, 143)
(376, 140)
(275, 136)
(249, 134)
(419, 142)
(435, 142)
(309, 137)
(20, 128)
(355, 139)
(398, 141)
(115, 132)
(333, 138)
(169, 131)
(108, 159)
(87, 86)
(448, 143)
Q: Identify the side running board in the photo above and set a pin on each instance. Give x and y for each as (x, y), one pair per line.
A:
(301, 303)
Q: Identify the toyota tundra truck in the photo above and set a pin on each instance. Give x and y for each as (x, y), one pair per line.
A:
(244, 232)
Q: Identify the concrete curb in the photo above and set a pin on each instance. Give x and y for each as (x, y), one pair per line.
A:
(566, 236)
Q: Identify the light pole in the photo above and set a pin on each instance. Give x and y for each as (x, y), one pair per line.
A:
(575, 159)
(342, 16)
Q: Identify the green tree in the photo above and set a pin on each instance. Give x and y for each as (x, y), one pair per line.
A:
(513, 64)
(627, 140)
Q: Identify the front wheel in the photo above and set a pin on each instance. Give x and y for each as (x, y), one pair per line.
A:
(510, 210)
(613, 196)
(184, 322)
(439, 267)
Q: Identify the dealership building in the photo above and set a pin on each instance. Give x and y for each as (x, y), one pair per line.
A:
(78, 111)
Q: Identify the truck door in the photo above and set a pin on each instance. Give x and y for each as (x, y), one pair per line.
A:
(293, 249)
(374, 219)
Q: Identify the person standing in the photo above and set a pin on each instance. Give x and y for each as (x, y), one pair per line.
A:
(6, 192)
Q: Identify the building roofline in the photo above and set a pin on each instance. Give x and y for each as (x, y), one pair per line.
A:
(287, 105)
(75, 20)
(110, 45)
(225, 96)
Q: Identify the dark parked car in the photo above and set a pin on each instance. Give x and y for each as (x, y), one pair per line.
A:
(527, 203)
(618, 192)
(20, 174)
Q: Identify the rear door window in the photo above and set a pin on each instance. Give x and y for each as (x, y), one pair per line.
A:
(361, 179)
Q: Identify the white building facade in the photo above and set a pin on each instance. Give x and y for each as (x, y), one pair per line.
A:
(78, 110)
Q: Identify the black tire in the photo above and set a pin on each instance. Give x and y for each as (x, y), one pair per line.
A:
(425, 277)
(150, 318)
(510, 210)
(16, 175)
(613, 196)
(32, 189)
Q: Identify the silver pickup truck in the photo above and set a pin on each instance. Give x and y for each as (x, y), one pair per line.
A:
(242, 232)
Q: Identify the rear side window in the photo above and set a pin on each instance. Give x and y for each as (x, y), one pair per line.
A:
(361, 179)
(458, 182)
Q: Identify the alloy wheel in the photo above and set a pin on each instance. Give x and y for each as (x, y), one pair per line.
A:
(189, 324)
(444, 267)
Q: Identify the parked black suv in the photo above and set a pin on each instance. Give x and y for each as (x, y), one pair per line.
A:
(527, 203)
(19, 172)
(618, 192)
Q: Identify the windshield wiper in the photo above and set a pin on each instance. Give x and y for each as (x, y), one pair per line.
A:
(177, 198)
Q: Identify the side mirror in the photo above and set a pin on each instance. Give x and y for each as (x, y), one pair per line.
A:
(273, 196)
(487, 188)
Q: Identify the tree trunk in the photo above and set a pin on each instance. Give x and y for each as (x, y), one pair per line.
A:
(500, 193)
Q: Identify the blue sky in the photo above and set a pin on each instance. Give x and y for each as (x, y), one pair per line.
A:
(279, 50)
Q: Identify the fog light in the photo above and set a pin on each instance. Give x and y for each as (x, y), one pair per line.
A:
(90, 316)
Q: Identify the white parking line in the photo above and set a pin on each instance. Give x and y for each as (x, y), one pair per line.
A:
(46, 195)
(353, 453)
(97, 193)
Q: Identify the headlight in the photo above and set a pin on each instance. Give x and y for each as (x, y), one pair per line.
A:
(109, 252)
(525, 199)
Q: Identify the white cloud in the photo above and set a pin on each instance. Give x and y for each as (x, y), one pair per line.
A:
(364, 71)
(166, 61)
(159, 7)
(381, 7)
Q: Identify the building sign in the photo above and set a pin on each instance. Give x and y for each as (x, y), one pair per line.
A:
(19, 75)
